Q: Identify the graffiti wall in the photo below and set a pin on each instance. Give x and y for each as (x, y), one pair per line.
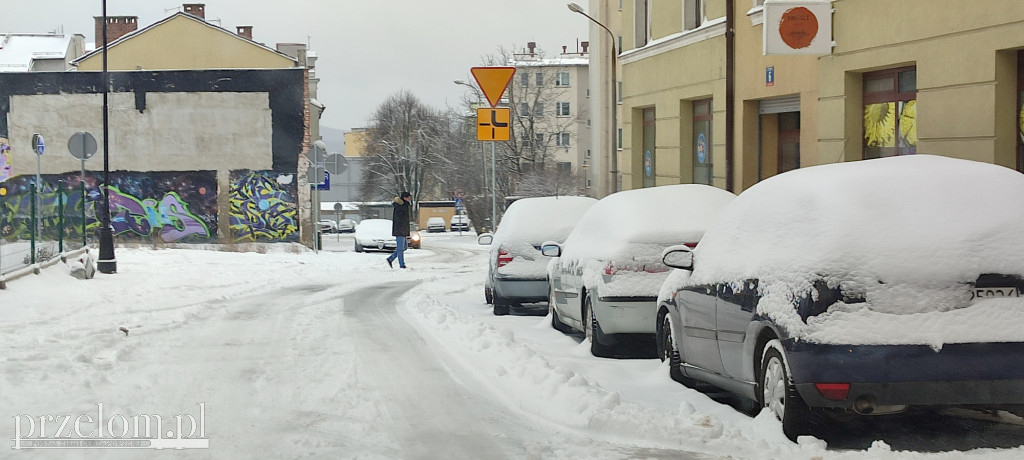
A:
(263, 206)
(173, 207)
(5, 159)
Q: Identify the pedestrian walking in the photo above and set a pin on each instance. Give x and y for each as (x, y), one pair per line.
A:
(402, 207)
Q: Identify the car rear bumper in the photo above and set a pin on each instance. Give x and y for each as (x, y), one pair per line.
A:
(626, 315)
(521, 290)
(957, 374)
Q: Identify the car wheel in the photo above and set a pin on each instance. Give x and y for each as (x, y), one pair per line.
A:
(592, 329)
(667, 350)
(556, 322)
(359, 248)
(500, 309)
(779, 395)
(487, 295)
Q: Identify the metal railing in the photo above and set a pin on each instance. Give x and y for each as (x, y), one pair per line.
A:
(40, 226)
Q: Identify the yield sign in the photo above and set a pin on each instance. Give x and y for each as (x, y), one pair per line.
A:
(493, 81)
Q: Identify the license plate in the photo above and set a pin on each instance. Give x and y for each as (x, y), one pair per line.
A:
(993, 292)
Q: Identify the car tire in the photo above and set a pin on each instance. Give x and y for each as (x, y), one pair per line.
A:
(592, 330)
(487, 295)
(667, 350)
(778, 394)
(359, 248)
(500, 309)
(556, 322)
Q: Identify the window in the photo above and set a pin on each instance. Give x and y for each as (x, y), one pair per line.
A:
(618, 92)
(563, 109)
(562, 79)
(890, 112)
(649, 157)
(524, 108)
(540, 139)
(693, 14)
(618, 139)
(641, 23)
(538, 109)
(563, 166)
(524, 79)
(562, 139)
(1020, 111)
(703, 172)
(540, 78)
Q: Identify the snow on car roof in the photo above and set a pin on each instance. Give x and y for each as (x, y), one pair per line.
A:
(919, 217)
(670, 214)
(538, 219)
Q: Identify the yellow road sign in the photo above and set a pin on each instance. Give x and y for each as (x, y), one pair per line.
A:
(493, 81)
(493, 124)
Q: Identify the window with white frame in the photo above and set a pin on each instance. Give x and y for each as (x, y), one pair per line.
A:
(538, 109)
(564, 166)
(563, 109)
(562, 79)
(693, 14)
(641, 23)
(562, 139)
(540, 78)
(524, 108)
(524, 79)
(540, 139)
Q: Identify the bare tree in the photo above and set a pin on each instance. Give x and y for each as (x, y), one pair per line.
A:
(406, 146)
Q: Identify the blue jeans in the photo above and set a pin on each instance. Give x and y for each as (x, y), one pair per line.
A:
(402, 243)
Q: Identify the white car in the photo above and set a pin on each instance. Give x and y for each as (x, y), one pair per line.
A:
(605, 278)
(346, 226)
(517, 271)
(328, 226)
(374, 234)
(460, 223)
(435, 224)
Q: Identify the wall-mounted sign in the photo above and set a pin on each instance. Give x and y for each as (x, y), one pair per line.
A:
(797, 27)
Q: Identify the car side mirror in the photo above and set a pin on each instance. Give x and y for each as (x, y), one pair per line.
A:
(485, 239)
(678, 257)
(551, 249)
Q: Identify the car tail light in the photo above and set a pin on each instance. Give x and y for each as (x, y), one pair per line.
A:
(690, 245)
(833, 391)
(503, 257)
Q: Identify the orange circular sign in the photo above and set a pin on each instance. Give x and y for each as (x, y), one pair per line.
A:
(798, 27)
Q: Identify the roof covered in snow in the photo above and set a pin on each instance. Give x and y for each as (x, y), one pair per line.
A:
(18, 51)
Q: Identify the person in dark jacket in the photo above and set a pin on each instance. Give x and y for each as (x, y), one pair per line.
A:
(402, 207)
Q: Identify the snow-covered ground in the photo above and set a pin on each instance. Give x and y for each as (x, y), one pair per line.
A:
(291, 354)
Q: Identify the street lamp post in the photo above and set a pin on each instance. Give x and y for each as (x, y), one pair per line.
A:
(614, 172)
(106, 263)
(494, 199)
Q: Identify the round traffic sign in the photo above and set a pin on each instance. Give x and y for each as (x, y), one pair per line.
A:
(37, 144)
(82, 145)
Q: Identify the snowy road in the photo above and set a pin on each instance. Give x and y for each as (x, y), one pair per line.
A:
(334, 355)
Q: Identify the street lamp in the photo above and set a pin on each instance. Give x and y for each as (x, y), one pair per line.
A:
(106, 263)
(612, 102)
(494, 199)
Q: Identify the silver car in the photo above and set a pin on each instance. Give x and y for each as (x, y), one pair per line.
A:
(605, 278)
(517, 271)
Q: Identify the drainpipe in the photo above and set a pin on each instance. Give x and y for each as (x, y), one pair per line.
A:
(730, 90)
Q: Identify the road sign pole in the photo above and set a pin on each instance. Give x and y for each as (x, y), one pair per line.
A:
(494, 195)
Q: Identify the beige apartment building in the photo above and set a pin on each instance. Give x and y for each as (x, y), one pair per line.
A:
(700, 105)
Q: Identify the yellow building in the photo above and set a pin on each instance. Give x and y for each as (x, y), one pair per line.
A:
(918, 76)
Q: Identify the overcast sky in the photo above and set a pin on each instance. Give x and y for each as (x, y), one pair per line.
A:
(368, 49)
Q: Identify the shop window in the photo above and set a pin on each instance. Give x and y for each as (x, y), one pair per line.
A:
(890, 113)
(703, 171)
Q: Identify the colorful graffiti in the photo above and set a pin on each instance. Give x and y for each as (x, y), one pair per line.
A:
(263, 206)
(130, 215)
(5, 159)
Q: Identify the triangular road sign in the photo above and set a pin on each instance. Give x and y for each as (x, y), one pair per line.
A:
(493, 81)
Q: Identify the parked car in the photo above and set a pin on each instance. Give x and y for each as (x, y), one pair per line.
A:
(856, 288)
(346, 226)
(374, 234)
(435, 224)
(328, 226)
(460, 223)
(517, 272)
(605, 278)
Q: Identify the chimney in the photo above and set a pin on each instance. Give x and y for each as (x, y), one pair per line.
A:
(196, 9)
(117, 27)
(585, 46)
(531, 46)
(564, 48)
(244, 31)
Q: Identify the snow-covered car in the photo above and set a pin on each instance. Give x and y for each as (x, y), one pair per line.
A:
(346, 226)
(605, 278)
(374, 234)
(460, 223)
(435, 224)
(328, 226)
(862, 287)
(517, 272)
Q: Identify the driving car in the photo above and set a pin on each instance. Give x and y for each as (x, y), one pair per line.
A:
(374, 234)
(328, 226)
(460, 223)
(346, 226)
(857, 288)
(517, 272)
(604, 280)
(435, 224)
(414, 239)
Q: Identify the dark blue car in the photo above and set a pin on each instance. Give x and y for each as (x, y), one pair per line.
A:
(863, 287)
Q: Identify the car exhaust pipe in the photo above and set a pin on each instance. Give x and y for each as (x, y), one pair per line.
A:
(868, 405)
